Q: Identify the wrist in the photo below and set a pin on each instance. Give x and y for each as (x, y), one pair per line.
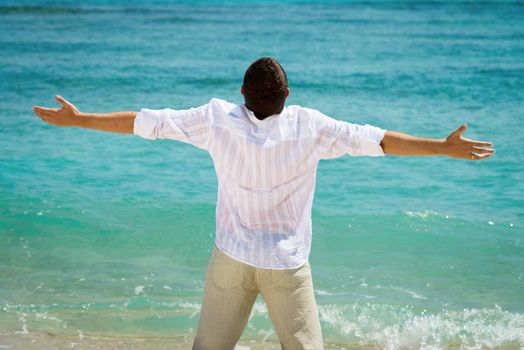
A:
(441, 147)
(79, 119)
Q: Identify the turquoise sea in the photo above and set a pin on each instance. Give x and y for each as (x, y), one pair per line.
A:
(107, 236)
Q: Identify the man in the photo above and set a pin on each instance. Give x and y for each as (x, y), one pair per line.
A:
(265, 157)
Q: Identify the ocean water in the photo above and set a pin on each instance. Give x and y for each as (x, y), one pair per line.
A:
(109, 235)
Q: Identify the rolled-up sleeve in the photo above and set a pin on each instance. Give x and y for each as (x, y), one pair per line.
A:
(188, 125)
(335, 138)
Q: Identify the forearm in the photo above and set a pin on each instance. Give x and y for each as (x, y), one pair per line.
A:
(454, 145)
(401, 144)
(119, 122)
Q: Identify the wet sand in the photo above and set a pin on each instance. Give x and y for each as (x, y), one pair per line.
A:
(51, 341)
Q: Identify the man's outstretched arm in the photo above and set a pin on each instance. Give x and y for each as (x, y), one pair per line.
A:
(454, 145)
(69, 115)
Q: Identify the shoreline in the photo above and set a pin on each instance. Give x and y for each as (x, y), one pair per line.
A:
(52, 341)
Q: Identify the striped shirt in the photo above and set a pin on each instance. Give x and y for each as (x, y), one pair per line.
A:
(266, 171)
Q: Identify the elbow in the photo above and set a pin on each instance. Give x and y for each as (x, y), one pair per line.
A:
(383, 146)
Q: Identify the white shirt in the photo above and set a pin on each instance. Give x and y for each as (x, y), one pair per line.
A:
(266, 171)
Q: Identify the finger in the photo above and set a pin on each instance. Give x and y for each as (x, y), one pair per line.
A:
(482, 156)
(43, 109)
(460, 130)
(478, 143)
(38, 112)
(49, 120)
(39, 109)
(44, 118)
(475, 156)
(483, 143)
(483, 150)
(44, 113)
(63, 101)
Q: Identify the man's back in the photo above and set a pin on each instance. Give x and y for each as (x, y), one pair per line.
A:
(266, 171)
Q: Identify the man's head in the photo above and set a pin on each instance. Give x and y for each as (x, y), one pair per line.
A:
(265, 87)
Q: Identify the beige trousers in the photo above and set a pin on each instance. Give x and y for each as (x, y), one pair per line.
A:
(230, 291)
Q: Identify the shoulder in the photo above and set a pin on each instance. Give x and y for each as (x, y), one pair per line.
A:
(219, 104)
(306, 112)
(216, 109)
(311, 116)
(224, 114)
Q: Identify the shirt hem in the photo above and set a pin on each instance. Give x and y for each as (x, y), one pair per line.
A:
(259, 266)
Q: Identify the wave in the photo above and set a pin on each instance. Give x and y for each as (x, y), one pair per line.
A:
(401, 327)
(357, 325)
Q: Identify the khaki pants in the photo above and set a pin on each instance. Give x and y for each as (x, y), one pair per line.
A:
(230, 292)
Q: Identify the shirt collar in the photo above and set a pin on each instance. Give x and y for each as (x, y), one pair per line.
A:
(257, 121)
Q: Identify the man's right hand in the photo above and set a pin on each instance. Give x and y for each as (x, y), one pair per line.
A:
(65, 116)
(69, 115)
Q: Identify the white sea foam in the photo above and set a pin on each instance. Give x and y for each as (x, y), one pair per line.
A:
(139, 289)
(410, 292)
(259, 309)
(321, 292)
(422, 214)
(23, 321)
(371, 324)
(393, 327)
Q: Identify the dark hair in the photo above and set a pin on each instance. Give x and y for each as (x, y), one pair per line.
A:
(265, 87)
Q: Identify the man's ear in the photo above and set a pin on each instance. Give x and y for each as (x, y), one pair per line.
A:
(287, 92)
(242, 89)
